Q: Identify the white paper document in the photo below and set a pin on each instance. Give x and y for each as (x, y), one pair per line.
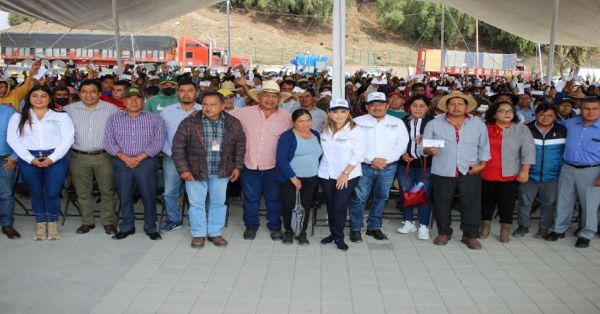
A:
(433, 143)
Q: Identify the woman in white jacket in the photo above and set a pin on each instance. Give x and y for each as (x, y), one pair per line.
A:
(343, 149)
(41, 137)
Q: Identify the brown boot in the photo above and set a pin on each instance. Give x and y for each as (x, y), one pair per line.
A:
(485, 229)
(505, 233)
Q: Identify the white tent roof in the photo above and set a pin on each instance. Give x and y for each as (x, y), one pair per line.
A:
(578, 20)
(97, 14)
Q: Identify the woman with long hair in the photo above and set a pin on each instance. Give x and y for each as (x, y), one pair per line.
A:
(344, 145)
(513, 152)
(297, 162)
(419, 167)
(41, 137)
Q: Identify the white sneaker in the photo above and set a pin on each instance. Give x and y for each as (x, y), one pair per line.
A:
(408, 227)
(423, 233)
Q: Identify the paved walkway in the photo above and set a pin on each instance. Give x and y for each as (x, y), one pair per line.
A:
(93, 273)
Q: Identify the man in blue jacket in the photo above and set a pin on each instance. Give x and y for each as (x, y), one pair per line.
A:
(549, 138)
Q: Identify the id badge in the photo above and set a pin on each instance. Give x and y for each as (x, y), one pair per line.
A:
(216, 146)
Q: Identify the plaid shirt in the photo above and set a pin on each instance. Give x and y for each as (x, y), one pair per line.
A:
(213, 133)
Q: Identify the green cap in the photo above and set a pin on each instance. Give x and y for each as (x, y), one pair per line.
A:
(134, 91)
(168, 78)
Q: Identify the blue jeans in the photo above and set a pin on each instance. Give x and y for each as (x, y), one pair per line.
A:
(144, 177)
(216, 188)
(380, 182)
(173, 189)
(7, 201)
(415, 175)
(45, 185)
(254, 184)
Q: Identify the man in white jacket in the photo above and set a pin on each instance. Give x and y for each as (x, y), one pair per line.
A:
(387, 140)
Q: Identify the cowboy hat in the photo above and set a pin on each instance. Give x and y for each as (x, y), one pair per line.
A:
(269, 87)
(229, 85)
(577, 95)
(471, 102)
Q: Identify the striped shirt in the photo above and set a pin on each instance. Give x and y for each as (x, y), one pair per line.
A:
(173, 115)
(89, 124)
(262, 135)
(144, 133)
(214, 132)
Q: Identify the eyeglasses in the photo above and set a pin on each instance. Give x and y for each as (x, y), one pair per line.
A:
(506, 111)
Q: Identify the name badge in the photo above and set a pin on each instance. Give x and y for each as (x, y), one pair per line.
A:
(341, 140)
(391, 126)
(215, 146)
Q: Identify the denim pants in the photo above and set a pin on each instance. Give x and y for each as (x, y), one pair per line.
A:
(337, 205)
(7, 201)
(200, 224)
(546, 192)
(416, 175)
(379, 182)
(45, 185)
(126, 179)
(173, 189)
(254, 184)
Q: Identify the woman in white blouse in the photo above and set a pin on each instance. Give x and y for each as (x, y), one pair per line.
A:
(41, 137)
(343, 149)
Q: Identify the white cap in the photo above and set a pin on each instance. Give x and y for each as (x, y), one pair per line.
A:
(378, 81)
(376, 97)
(338, 103)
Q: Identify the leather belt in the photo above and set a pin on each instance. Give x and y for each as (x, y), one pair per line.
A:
(95, 152)
(582, 166)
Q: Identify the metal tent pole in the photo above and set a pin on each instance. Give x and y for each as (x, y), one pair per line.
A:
(476, 46)
(339, 35)
(442, 63)
(228, 32)
(539, 53)
(550, 66)
(117, 37)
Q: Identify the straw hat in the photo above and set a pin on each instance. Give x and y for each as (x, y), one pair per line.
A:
(229, 85)
(471, 102)
(577, 95)
(269, 87)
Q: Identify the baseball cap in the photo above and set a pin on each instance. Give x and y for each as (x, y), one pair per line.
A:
(376, 97)
(134, 91)
(338, 103)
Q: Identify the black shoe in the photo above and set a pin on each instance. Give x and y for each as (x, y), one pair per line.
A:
(582, 242)
(327, 240)
(355, 236)
(123, 234)
(377, 234)
(340, 244)
(249, 234)
(154, 235)
(553, 236)
(288, 237)
(302, 240)
(276, 235)
(521, 231)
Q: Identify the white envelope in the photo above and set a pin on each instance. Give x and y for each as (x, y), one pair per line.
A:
(433, 143)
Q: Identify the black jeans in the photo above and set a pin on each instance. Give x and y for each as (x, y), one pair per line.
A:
(337, 205)
(287, 191)
(501, 194)
(469, 195)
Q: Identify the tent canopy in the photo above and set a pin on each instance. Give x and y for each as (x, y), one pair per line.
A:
(578, 20)
(97, 14)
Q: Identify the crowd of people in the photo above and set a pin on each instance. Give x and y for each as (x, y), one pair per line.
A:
(482, 145)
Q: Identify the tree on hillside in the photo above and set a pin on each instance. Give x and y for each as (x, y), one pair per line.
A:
(16, 19)
(318, 8)
(571, 57)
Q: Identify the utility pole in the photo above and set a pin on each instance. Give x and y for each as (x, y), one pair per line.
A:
(442, 63)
